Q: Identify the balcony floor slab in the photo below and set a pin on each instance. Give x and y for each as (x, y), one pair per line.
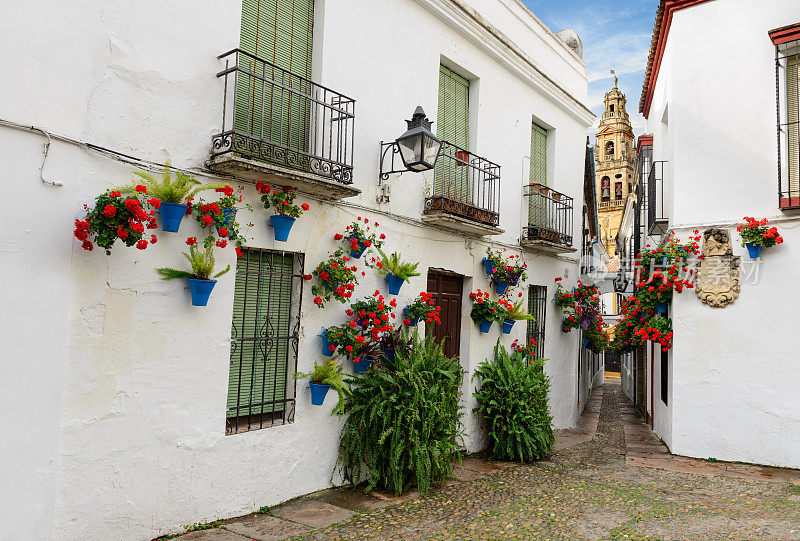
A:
(546, 246)
(462, 225)
(248, 170)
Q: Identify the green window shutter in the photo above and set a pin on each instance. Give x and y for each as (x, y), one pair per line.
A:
(793, 119)
(537, 207)
(452, 121)
(280, 32)
(537, 307)
(260, 334)
(538, 154)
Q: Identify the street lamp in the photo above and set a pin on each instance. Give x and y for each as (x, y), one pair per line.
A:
(419, 147)
(620, 282)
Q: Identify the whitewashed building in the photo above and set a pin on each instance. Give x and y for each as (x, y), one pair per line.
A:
(721, 101)
(118, 404)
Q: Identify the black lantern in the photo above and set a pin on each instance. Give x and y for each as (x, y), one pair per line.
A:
(620, 282)
(419, 147)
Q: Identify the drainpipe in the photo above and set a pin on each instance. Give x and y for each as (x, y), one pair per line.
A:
(652, 381)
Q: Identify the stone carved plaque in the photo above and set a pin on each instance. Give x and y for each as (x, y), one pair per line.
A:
(719, 275)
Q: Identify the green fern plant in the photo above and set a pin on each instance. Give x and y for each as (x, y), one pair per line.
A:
(168, 190)
(512, 398)
(202, 263)
(328, 373)
(403, 422)
(394, 265)
(517, 313)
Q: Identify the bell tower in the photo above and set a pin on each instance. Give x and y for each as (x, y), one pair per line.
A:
(615, 155)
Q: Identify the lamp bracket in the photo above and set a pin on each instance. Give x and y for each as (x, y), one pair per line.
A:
(391, 168)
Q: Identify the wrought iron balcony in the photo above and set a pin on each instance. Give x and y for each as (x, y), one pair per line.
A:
(549, 220)
(281, 127)
(466, 192)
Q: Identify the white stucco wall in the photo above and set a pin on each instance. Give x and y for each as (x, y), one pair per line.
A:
(733, 392)
(114, 400)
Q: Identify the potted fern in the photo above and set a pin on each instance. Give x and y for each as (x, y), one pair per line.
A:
(514, 313)
(395, 270)
(200, 279)
(170, 195)
(322, 378)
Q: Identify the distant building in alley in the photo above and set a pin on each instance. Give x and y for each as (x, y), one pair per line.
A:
(616, 159)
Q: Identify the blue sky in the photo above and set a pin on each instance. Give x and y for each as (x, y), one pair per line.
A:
(616, 35)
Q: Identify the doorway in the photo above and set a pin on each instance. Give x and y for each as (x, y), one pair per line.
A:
(447, 288)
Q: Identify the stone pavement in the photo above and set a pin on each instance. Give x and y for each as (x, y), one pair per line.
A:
(608, 478)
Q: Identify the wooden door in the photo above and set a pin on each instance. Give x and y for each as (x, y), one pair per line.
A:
(446, 289)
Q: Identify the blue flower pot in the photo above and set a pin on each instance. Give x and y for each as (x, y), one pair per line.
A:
(228, 219)
(754, 250)
(282, 226)
(394, 283)
(362, 365)
(586, 342)
(326, 350)
(200, 290)
(507, 325)
(412, 321)
(485, 326)
(488, 265)
(501, 287)
(661, 307)
(361, 247)
(171, 216)
(318, 393)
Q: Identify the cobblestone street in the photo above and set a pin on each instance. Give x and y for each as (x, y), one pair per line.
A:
(609, 478)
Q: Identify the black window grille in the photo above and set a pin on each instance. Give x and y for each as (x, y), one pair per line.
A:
(664, 376)
(537, 307)
(264, 340)
(787, 90)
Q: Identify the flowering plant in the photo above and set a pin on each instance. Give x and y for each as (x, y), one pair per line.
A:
(423, 308)
(756, 232)
(281, 200)
(658, 329)
(218, 216)
(360, 234)
(337, 279)
(113, 217)
(372, 311)
(526, 352)
(484, 309)
(506, 269)
(563, 298)
(202, 266)
(345, 338)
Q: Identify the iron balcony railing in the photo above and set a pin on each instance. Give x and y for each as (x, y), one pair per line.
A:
(656, 215)
(549, 215)
(273, 115)
(465, 185)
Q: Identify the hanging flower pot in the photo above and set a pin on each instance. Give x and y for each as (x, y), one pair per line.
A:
(360, 366)
(412, 321)
(326, 344)
(318, 393)
(661, 307)
(171, 216)
(486, 325)
(507, 325)
(357, 252)
(501, 287)
(586, 342)
(282, 226)
(754, 250)
(394, 283)
(228, 219)
(200, 290)
(488, 265)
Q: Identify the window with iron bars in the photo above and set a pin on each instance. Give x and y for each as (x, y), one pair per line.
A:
(537, 307)
(264, 340)
(787, 89)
